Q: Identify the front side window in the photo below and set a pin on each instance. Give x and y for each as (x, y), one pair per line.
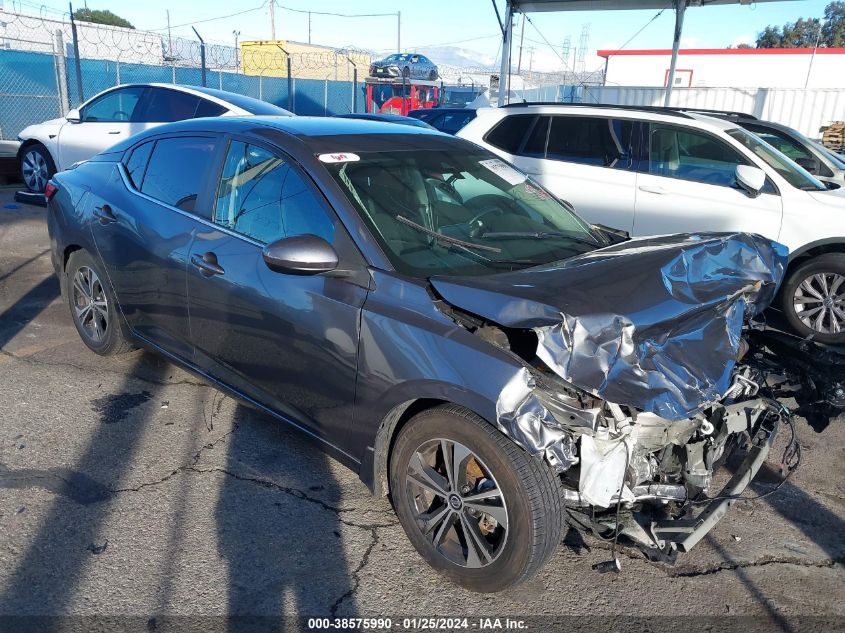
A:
(178, 170)
(787, 169)
(116, 106)
(459, 211)
(262, 196)
(590, 141)
(676, 152)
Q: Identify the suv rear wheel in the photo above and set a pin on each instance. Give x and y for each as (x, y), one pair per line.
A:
(813, 298)
(477, 508)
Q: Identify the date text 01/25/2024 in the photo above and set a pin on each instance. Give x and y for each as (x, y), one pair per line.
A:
(418, 623)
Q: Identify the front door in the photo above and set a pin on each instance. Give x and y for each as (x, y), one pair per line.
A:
(104, 122)
(687, 184)
(288, 341)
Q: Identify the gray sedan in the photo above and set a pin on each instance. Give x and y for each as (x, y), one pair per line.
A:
(408, 65)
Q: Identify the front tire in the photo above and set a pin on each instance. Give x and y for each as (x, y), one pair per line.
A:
(93, 307)
(813, 298)
(36, 167)
(477, 508)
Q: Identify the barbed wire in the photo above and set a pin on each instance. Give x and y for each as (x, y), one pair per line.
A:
(46, 32)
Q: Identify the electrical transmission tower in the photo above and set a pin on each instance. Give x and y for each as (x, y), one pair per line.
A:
(583, 44)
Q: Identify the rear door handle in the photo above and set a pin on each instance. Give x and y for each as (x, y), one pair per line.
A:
(649, 189)
(207, 264)
(104, 214)
(115, 132)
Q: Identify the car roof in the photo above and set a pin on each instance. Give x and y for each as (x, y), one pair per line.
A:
(644, 113)
(321, 135)
(239, 101)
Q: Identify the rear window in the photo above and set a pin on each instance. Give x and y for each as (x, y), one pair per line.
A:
(509, 132)
(178, 169)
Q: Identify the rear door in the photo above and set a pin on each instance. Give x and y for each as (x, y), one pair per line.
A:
(105, 121)
(687, 183)
(584, 160)
(143, 228)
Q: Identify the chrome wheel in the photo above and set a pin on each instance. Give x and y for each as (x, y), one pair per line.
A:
(90, 307)
(35, 170)
(457, 503)
(819, 303)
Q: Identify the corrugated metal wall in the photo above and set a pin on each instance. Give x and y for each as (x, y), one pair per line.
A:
(804, 110)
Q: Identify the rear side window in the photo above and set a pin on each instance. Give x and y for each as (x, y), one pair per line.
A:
(454, 121)
(178, 170)
(509, 132)
(535, 144)
(209, 108)
(590, 141)
(137, 163)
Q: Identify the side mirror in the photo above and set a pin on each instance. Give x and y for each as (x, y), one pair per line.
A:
(73, 116)
(751, 179)
(300, 255)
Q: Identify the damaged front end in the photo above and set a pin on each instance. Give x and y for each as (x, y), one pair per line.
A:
(635, 384)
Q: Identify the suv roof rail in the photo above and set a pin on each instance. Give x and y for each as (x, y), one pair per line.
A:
(612, 106)
(728, 113)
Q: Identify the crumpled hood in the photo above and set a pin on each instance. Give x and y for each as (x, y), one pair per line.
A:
(653, 323)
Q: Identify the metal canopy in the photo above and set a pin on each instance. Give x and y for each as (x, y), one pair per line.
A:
(538, 6)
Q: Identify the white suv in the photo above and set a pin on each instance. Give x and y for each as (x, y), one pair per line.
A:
(655, 171)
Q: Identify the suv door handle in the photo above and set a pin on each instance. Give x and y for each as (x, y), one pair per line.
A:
(104, 214)
(207, 264)
(649, 189)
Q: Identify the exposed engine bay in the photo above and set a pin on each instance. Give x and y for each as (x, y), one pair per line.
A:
(636, 398)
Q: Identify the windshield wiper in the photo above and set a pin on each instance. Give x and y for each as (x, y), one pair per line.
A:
(445, 238)
(535, 235)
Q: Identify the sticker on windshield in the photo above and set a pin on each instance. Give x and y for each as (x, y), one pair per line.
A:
(503, 171)
(339, 157)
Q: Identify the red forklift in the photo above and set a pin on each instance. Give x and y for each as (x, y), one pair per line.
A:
(400, 95)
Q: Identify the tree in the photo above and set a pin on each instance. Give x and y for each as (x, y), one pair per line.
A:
(101, 17)
(808, 33)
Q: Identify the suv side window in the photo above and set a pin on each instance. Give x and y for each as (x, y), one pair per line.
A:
(136, 163)
(261, 195)
(508, 133)
(676, 152)
(591, 141)
(178, 169)
(118, 106)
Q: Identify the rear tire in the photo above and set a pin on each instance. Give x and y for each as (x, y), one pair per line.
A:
(519, 530)
(36, 167)
(813, 298)
(93, 307)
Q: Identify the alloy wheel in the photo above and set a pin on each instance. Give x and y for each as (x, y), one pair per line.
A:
(90, 306)
(457, 503)
(35, 171)
(819, 302)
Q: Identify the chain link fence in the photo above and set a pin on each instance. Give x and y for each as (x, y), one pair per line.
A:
(49, 64)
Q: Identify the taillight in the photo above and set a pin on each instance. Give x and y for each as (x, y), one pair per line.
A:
(50, 191)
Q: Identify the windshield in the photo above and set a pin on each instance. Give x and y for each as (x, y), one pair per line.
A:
(793, 174)
(396, 57)
(458, 212)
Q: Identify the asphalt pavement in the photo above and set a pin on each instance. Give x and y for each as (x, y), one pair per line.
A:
(129, 487)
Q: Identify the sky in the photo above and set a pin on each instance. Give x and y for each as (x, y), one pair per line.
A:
(466, 24)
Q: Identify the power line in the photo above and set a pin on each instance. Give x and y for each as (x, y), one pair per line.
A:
(220, 17)
(337, 15)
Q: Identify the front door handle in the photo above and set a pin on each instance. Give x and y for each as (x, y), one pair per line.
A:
(649, 189)
(207, 264)
(105, 215)
(115, 132)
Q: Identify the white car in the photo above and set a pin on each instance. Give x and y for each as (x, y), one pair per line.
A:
(654, 171)
(116, 114)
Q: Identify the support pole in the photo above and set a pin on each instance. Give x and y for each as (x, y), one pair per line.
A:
(273, 20)
(505, 69)
(76, 59)
(680, 9)
(61, 72)
(355, 89)
(202, 54)
(290, 86)
(398, 31)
